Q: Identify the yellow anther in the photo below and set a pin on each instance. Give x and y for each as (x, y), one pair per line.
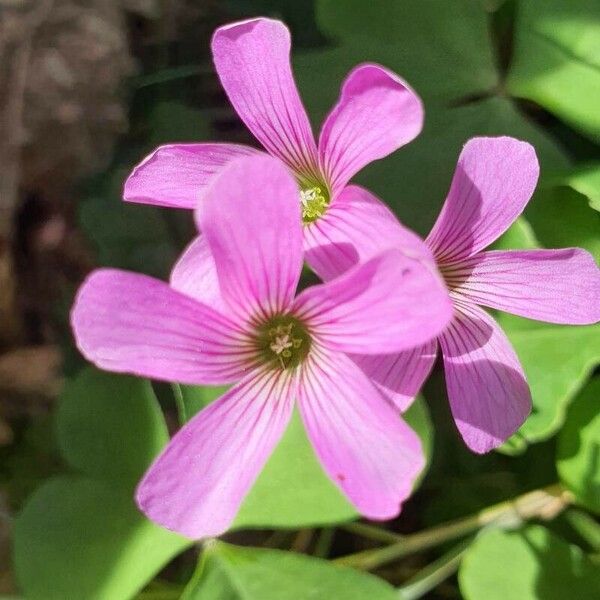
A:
(314, 203)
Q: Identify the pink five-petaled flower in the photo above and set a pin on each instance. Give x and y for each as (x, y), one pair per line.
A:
(376, 114)
(487, 389)
(277, 347)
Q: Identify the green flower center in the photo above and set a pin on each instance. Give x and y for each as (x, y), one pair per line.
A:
(283, 342)
(313, 201)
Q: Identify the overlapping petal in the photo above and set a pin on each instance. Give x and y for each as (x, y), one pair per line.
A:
(197, 484)
(356, 227)
(488, 392)
(399, 376)
(493, 182)
(362, 443)
(251, 222)
(132, 323)
(556, 286)
(176, 175)
(376, 113)
(252, 59)
(195, 274)
(387, 304)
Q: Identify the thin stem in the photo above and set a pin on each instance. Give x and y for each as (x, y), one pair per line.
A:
(178, 396)
(433, 574)
(373, 533)
(323, 544)
(545, 503)
(585, 526)
(302, 540)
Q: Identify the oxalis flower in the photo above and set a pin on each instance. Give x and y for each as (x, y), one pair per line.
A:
(376, 113)
(487, 389)
(249, 329)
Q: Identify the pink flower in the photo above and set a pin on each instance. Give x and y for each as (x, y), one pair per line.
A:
(247, 327)
(488, 392)
(377, 113)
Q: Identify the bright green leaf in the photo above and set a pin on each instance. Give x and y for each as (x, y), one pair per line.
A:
(79, 538)
(557, 60)
(529, 564)
(110, 426)
(557, 360)
(561, 217)
(234, 573)
(82, 536)
(418, 417)
(584, 178)
(293, 490)
(578, 456)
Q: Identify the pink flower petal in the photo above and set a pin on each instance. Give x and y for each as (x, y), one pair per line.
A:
(195, 487)
(399, 377)
(361, 441)
(175, 175)
(492, 184)
(356, 227)
(253, 62)
(557, 286)
(251, 221)
(131, 323)
(487, 389)
(377, 113)
(195, 274)
(387, 304)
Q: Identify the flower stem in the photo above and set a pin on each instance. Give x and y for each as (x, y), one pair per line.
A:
(585, 526)
(324, 541)
(545, 503)
(373, 533)
(433, 574)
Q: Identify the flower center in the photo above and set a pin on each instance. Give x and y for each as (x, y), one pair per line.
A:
(283, 342)
(314, 201)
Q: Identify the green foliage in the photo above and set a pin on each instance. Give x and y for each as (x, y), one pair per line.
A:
(110, 427)
(81, 536)
(126, 236)
(578, 456)
(529, 564)
(557, 60)
(557, 360)
(234, 573)
(562, 217)
(445, 51)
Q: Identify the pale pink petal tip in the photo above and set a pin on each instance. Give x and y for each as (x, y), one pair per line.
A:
(555, 286)
(377, 113)
(360, 440)
(252, 59)
(176, 175)
(131, 323)
(399, 377)
(493, 181)
(487, 388)
(196, 486)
